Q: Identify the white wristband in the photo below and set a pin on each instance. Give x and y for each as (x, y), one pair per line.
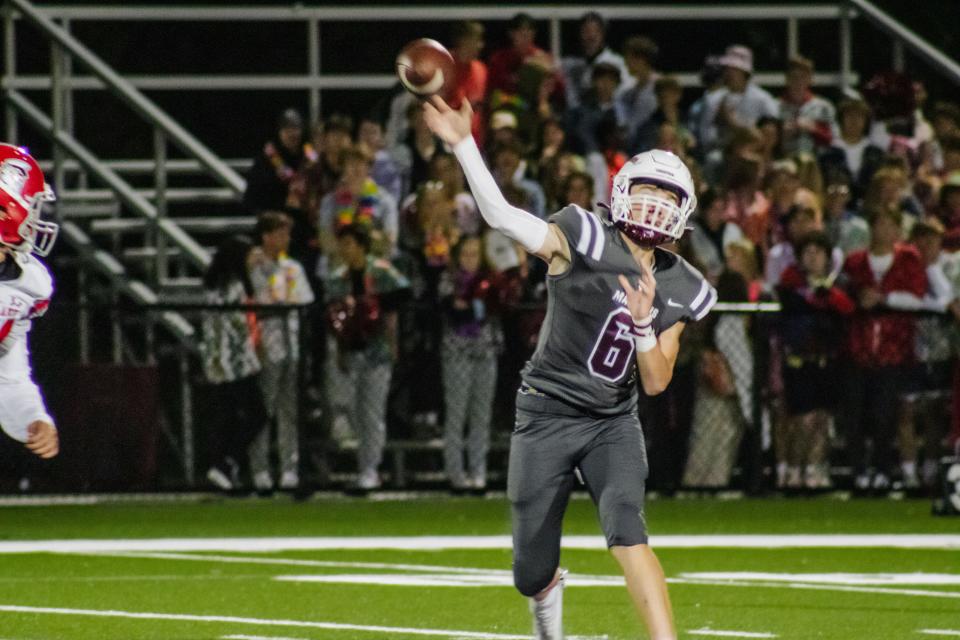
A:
(643, 335)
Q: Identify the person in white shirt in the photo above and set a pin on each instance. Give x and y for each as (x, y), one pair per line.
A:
(851, 150)
(25, 291)
(278, 279)
(741, 103)
(578, 70)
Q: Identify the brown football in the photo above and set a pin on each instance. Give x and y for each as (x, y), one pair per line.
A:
(426, 68)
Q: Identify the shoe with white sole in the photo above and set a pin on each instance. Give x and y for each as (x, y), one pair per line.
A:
(368, 480)
(262, 481)
(219, 479)
(548, 612)
(289, 480)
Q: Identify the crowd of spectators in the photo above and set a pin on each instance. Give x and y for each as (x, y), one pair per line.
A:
(844, 210)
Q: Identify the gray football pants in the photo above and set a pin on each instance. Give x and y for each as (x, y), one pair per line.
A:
(549, 441)
(360, 393)
(278, 381)
(469, 382)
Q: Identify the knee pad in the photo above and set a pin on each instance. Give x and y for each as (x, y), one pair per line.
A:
(531, 578)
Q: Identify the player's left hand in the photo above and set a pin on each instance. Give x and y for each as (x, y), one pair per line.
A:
(42, 439)
(640, 300)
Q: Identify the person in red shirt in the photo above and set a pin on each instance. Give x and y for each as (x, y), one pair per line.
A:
(811, 337)
(506, 63)
(467, 41)
(886, 277)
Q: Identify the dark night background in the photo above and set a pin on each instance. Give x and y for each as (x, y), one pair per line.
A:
(234, 123)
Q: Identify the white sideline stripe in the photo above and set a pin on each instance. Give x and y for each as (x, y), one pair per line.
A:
(730, 634)
(245, 637)
(333, 626)
(818, 587)
(436, 543)
(939, 632)
(428, 568)
(442, 580)
(880, 579)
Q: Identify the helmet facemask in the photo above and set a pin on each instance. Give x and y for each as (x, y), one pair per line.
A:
(33, 234)
(652, 219)
(649, 218)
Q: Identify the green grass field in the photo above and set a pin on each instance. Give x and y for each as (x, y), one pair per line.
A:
(353, 568)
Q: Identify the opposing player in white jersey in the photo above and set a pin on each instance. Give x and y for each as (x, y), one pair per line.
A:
(616, 306)
(25, 290)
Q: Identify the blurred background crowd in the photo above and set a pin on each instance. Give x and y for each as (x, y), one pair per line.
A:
(415, 318)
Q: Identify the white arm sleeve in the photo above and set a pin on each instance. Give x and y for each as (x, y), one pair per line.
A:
(527, 229)
(20, 399)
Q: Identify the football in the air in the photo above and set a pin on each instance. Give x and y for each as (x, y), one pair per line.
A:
(426, 68)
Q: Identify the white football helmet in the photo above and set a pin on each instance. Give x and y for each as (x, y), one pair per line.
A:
(647, 219)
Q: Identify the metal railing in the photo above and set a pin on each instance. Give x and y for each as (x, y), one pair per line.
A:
(902, 36)
(313, 80)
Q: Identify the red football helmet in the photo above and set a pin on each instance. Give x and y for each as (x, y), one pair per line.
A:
(22, 194)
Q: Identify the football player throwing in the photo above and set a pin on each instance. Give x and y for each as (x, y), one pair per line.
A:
(617, 304)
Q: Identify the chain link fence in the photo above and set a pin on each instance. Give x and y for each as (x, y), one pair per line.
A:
(743, 411)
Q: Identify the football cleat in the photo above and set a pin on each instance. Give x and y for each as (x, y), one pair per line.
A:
(548, 612)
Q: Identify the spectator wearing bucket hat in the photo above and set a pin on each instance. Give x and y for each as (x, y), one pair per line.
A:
(741, 102)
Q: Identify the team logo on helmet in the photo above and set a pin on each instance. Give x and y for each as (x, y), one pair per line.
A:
(13, 176)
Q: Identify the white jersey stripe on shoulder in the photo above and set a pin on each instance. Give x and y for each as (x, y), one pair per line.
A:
(704, 290)
(712, 298)
(586, 232)
(598, 238)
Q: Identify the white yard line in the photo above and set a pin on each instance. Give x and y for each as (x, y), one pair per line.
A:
(442, 580)
(332, 564)
(730, 634)
(240, 636)
(880, 579)
(939, 632)
(267, 622)
(435, 543)
(818, 587)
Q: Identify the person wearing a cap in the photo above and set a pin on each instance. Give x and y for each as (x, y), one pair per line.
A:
(741, 102)
(808, 119)
(578, 70)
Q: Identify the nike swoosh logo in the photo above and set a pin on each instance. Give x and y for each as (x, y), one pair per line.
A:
(671, 303)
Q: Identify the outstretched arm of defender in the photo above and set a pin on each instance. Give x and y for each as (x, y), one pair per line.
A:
(453, 127)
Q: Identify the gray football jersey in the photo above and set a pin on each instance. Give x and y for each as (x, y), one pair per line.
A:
(585, 355)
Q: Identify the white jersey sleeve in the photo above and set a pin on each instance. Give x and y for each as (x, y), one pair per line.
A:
(21, 300)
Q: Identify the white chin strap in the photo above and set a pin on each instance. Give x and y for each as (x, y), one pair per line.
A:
(656, 214)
